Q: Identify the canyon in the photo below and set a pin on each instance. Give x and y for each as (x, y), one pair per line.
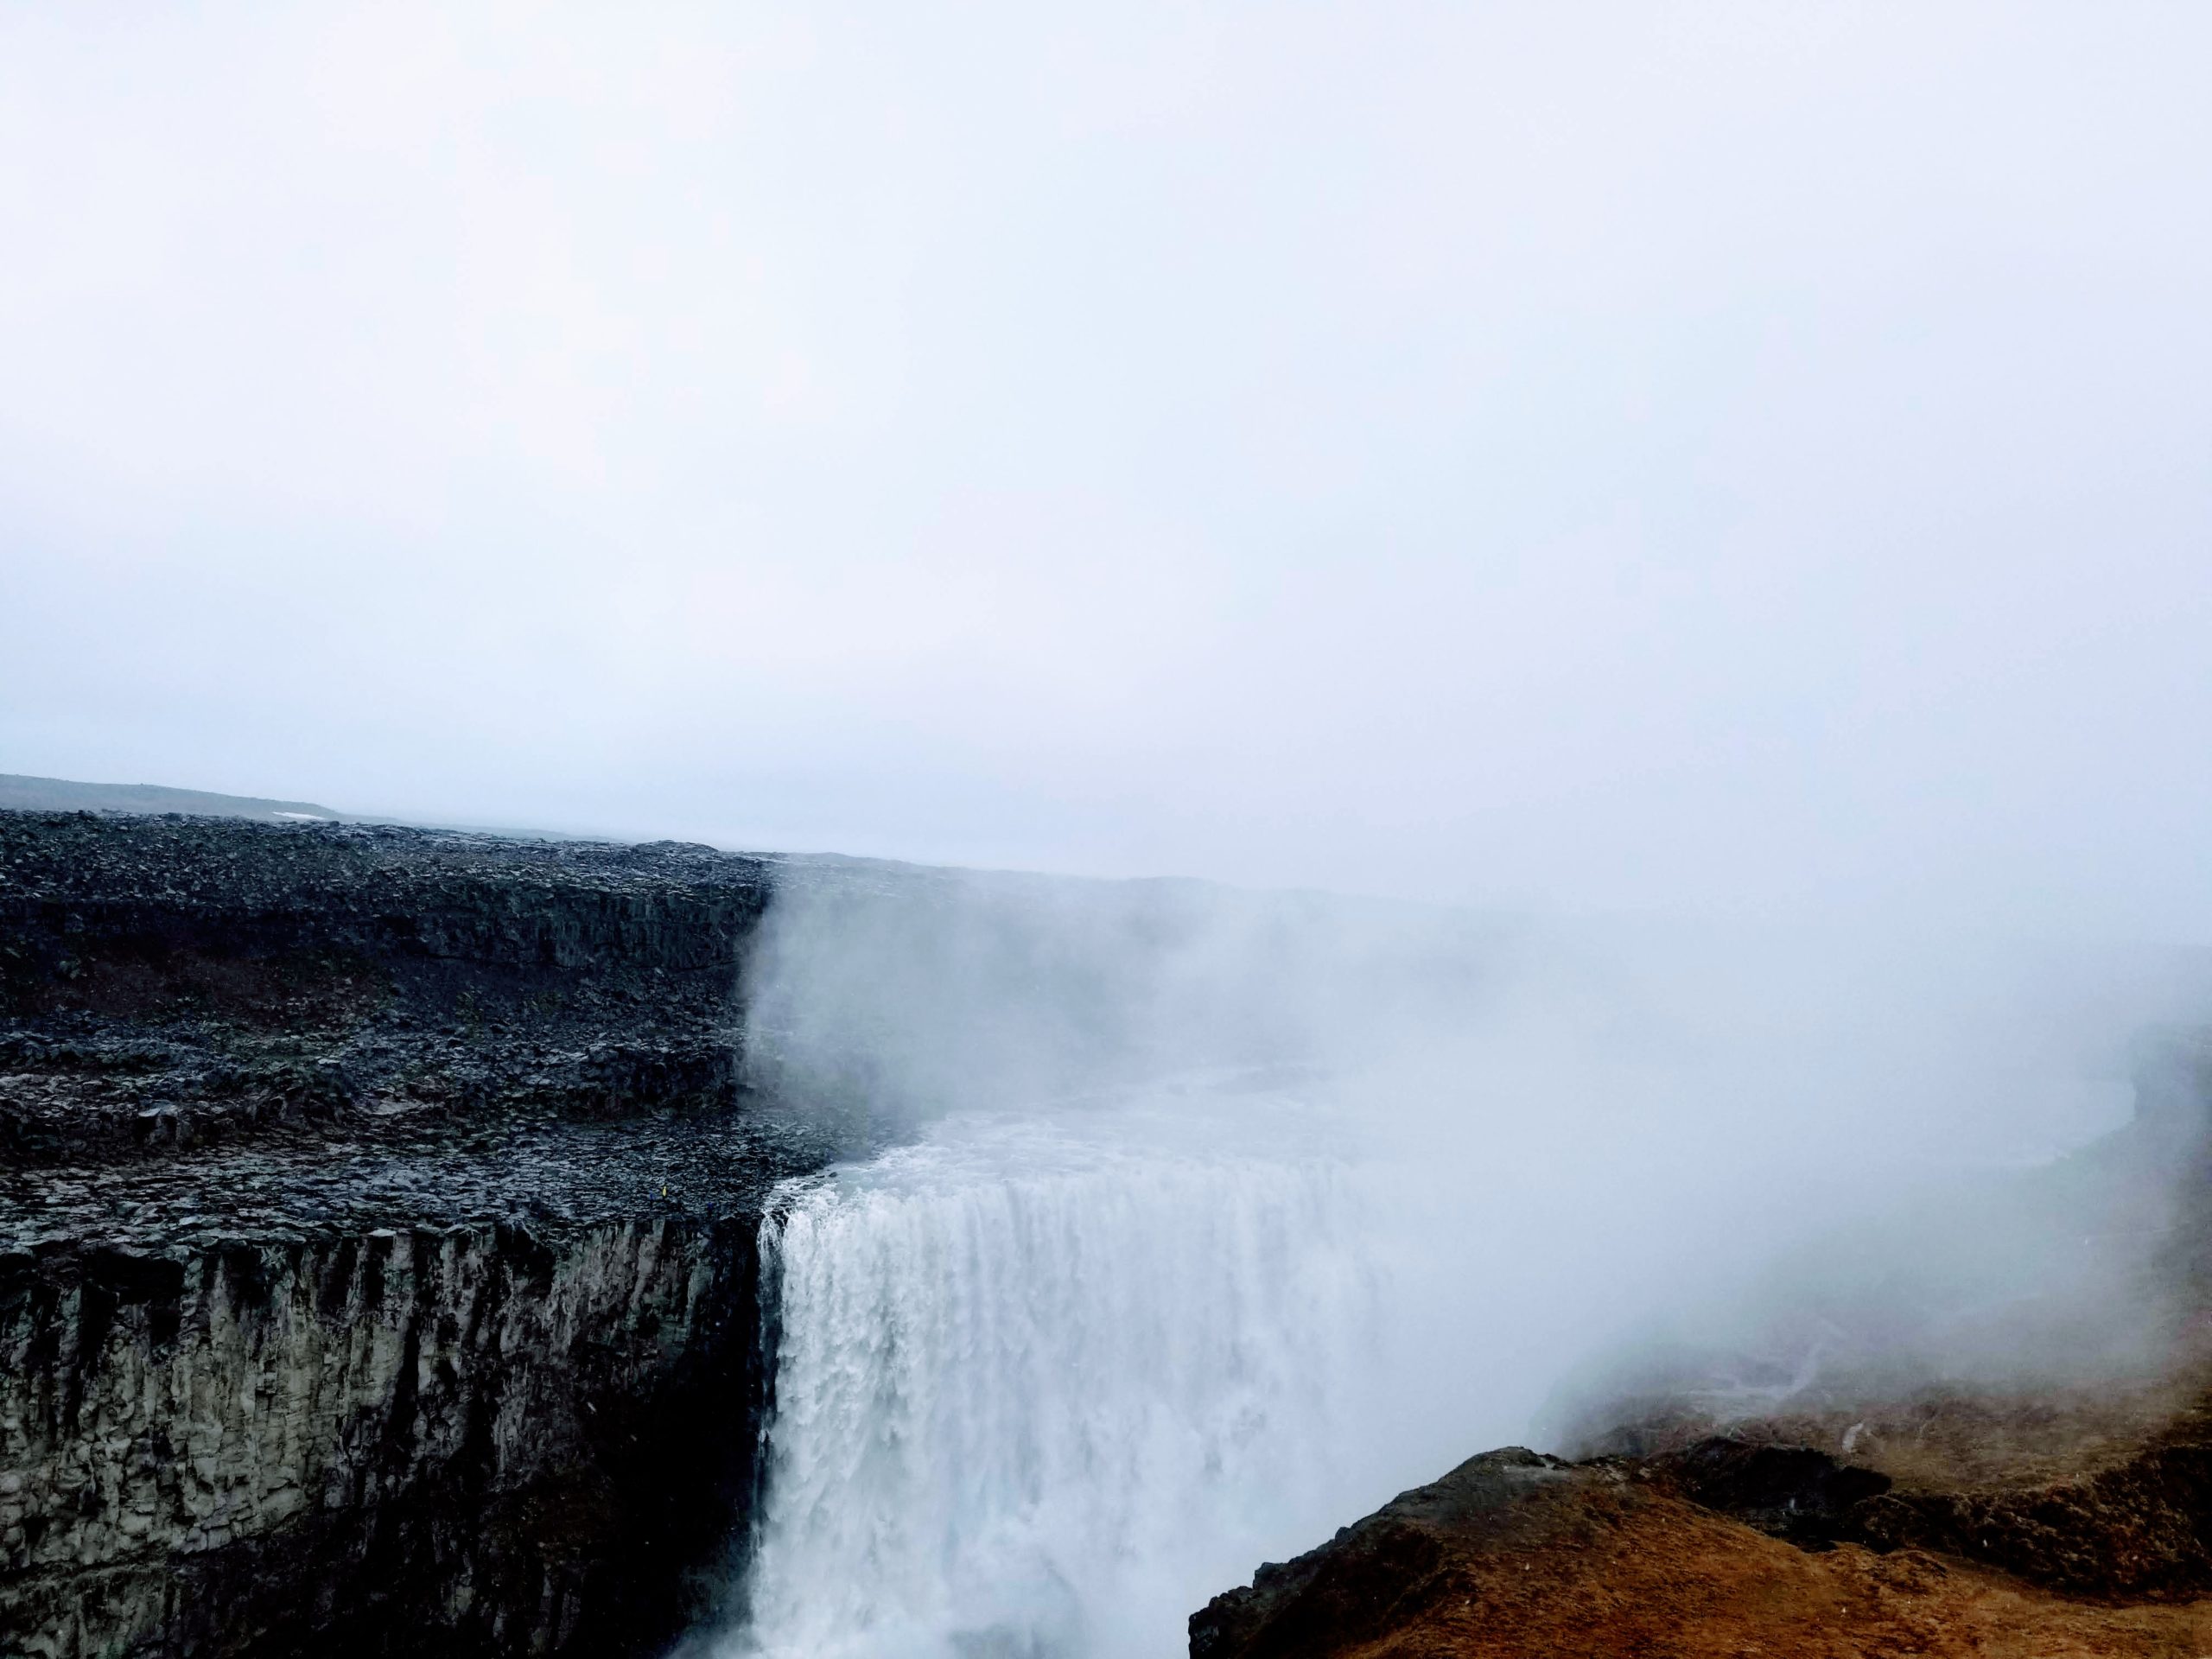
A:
(434, 1243)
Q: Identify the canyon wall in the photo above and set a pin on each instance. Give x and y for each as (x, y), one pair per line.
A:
(378, 1223)
(362, 1443)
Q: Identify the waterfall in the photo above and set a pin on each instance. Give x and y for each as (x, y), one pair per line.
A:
(1043, 1387)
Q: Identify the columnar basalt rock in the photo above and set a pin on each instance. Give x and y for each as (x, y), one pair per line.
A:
(353, 1443)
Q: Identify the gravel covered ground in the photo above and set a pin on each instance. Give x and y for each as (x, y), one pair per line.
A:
(212, 1028)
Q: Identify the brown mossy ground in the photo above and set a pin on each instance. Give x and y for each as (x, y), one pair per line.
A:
(1664, 1578)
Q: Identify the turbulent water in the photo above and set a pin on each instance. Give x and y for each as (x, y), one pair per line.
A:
(1044, 1386)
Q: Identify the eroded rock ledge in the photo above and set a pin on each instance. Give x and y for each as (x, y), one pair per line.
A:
(377, 1212)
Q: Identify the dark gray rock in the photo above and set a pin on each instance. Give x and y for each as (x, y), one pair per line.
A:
(377, 1212)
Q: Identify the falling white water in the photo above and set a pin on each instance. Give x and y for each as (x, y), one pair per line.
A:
(1044, 1386)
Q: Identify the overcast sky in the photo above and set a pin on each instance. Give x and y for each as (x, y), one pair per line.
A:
(1754, 458)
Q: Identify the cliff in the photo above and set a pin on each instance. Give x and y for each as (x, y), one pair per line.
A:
(377, 1212)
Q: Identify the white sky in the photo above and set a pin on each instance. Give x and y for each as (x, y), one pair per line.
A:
(1754, 458)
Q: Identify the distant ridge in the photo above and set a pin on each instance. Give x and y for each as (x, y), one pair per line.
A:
(21, 794)
(60, 795)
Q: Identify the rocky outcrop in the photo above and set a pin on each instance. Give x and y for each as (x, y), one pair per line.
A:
(1473, 1536)
(377, 1220)
(1384, 1571)
(1855, 1493)
(1515, 1553)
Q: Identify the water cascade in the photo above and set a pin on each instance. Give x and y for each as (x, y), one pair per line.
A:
(1042, 1386)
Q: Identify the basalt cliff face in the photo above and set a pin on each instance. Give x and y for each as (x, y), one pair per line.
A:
(378, 1218)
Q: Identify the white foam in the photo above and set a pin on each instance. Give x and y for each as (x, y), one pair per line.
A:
(1043, 1387)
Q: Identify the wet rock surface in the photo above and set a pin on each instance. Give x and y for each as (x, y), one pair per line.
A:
(378, 1210)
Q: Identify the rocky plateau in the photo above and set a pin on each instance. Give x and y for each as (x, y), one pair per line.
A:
(378, 1220)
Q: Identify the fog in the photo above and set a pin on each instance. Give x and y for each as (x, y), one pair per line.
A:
(1581, 455)
(1184, 1224)
(1626, 1090)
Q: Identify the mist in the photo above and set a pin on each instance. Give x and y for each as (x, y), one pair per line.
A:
(1208, 1218)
